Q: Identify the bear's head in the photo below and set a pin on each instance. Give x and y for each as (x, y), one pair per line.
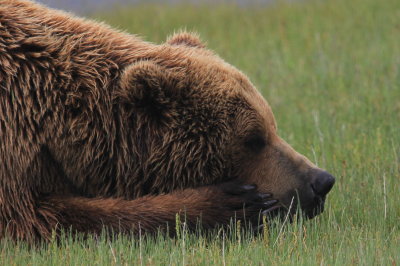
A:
(198, 121)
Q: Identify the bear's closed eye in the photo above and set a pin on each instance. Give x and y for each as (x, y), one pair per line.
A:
(255, 143)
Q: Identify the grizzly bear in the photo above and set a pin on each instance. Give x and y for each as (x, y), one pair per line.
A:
(102, 130)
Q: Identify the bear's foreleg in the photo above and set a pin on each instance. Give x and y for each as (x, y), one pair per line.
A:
(211, 206)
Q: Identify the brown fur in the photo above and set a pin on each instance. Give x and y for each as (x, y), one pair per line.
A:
(101, 129)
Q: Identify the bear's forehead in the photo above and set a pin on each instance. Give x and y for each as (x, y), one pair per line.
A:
(198, 63)
(204, 67)
(260, 108)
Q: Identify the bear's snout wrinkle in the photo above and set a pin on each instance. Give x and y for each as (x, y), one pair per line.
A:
(323, 183)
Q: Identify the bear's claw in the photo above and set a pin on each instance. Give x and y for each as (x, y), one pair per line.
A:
(263, 196)
(270, 203)
(245, 202)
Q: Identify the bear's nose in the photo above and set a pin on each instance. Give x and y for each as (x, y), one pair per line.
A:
(323, 183)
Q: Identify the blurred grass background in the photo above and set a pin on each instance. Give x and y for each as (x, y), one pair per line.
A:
(331, 72)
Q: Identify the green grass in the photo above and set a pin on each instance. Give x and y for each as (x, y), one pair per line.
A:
(331, 72)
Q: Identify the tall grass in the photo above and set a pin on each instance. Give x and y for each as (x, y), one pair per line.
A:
(331, 72)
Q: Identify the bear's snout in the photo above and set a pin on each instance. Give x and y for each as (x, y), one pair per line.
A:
(314, 200)
(323, 183)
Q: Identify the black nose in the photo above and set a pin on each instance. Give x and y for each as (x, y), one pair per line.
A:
(323, 183)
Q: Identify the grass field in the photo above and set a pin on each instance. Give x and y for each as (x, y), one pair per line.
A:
(331, 72)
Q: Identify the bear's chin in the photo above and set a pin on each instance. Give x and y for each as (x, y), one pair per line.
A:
(316, 209)
(306, 211)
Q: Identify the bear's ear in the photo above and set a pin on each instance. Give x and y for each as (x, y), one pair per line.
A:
(187, 39)
(146, 86)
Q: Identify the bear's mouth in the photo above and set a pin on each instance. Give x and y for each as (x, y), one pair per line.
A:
(316, 208)
(308, 210)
